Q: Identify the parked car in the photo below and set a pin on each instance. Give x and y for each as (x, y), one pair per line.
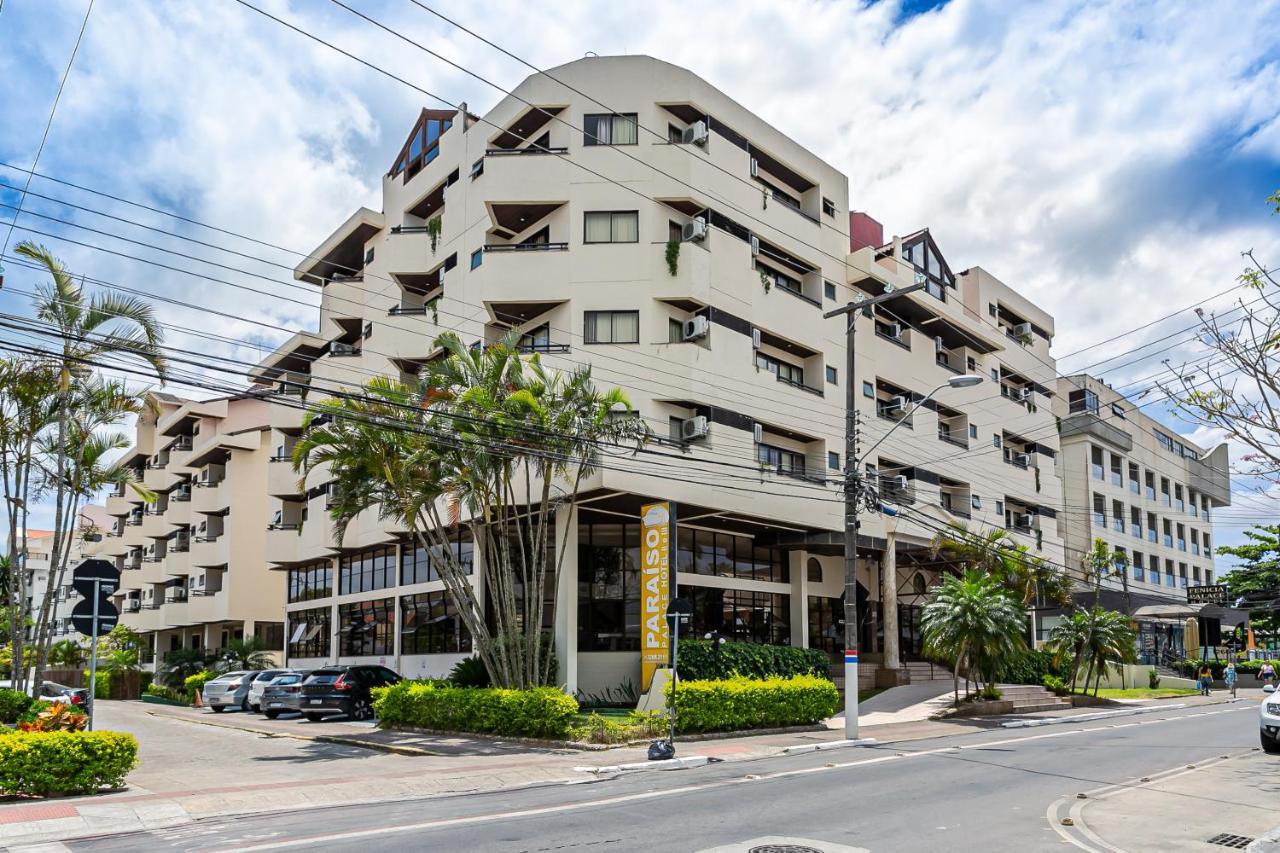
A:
(1269, 713)
(343, 690)
(283, 694)
(54, 692)
(229, 690)
(259, 684)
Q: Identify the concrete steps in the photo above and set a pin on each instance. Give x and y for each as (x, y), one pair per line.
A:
(1028, 699)
(921, 670)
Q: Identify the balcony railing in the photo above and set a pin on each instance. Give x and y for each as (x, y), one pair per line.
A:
(183, 443)
(548, 348)
(132, 605)
(951, 439)
(803, 387)
(532, 149)
(207, 539)
(526, 247)
(943, 361)
(181, 495)
(409, 229)
(408, 311)
(284, 525)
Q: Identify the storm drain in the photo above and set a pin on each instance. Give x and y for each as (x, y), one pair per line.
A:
(783, 848)
(1235, 842)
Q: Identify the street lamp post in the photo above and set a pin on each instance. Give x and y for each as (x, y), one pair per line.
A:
(853, 488)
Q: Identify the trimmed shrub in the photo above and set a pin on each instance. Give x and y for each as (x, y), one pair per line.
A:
(541, 712)
(161, 692)
(697, 661)
(469, 672)
(13, 704)
(1055, 685)
(192, 683)
(744, 703)
(1029, 666)
(41, 764)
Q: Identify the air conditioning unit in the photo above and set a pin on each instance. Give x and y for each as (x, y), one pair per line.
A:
(757, 433)
(895, 331)
(1021, 330)
(694, 230)
(755, 245)
(696, 327)
(695, 134)
(1023, 459)
(897, 404)
(1022, 520)
(1025, 393)
(339, 348)
(692, 428)
(938, 346)
(755, 167)
(755, 339)
(897, 483)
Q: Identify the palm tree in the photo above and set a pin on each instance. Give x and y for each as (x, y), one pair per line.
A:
(1111, 640)
(250, 653)
(1069, 638)
(180, 664)
(491, 442)
(974, 622)
(89, 328)
(28, 393)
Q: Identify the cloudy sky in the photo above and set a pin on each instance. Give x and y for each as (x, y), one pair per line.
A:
(1111, 160)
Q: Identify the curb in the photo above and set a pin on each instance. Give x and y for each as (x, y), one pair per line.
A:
(835, 744)
(640, 766)
(1268, 843)
(1085, 718)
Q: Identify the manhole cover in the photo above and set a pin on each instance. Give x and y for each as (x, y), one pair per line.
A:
(784, 848)
(1235, 842)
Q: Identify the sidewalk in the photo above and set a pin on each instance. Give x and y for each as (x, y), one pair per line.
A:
(195, 764)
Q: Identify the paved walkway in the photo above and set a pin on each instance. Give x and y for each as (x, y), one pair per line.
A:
(195, 764)
(907, 703)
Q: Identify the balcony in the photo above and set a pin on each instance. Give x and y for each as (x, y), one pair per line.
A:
(800, 385)
(532, 150)
(156, 526)
(282, 480)
(210, 497)
(175, 594)
(283, 543)
(490, 248)
(1018, 459)
(949, 438)
(210, 551)
(132, 605)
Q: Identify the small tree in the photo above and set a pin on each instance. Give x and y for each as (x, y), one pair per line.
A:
(250, 653)
(179, 664)
(66, 653)
(1257, 578)
(974, 622)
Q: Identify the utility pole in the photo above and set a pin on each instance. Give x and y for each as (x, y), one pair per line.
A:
(852, 495)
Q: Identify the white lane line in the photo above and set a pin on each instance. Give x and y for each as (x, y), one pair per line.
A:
(684, 789)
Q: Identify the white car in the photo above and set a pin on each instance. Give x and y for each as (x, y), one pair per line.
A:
(259, 684)
(1269, 720)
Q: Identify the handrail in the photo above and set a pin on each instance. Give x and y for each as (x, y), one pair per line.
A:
(526, 247)
(533, 149)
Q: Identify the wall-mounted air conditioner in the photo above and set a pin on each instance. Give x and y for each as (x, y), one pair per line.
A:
(938, 346)
(896, 483)
(755, 244)
(755, 167)
(1023, 459)
(755, 339)
(696, 327)
(1022, 330)
(897, 404)
(694, 230)
(895, 331)
(695, 134)
(1025, 393)
(1022, 521)
(757, 433)
(692, 428)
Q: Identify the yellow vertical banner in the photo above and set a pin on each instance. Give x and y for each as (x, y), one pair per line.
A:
(655, 589)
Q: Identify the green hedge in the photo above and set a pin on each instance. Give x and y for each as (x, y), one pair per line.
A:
(542, 712)
(1191, 667)
(49, 763)
(1030, 666)
(744, 703)
(192, 683)
(696, 661)
(13, 703)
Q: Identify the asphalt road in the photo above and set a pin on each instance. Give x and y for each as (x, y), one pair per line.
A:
(985, 791)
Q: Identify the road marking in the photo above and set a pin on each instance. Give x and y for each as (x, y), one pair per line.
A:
(442, 823)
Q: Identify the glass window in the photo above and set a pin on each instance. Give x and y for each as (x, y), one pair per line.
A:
(312, 581)
(833, 376)
(363, 571)
(477, 258)
(609, 587)
(868, 390)
(309, 633)
(611, 227)
(430, 625)
(829, 290)
(785, 371)
(780, 460)
(610, 129)
(611, 327)
(1082, 400)
(365, 628)
(418, 565)
(833, 460)
(753, 617)
(779, 279)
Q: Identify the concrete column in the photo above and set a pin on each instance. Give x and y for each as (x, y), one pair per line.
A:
(889, 601)
(566, 609)
(798, 567)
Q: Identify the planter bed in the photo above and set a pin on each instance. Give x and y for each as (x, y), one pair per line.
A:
(160, 700)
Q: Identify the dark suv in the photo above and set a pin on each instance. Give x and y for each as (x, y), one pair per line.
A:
(343, 690)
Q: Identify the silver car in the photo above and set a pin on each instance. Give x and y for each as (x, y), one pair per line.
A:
(229, 690)
(283, 694)
(260, 682)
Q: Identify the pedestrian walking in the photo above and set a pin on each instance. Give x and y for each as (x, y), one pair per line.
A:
(1267, 673)
(1206, 679)
(1229, 676)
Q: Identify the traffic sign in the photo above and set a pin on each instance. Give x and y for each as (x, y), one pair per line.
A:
(94, 569)
(82, 617)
